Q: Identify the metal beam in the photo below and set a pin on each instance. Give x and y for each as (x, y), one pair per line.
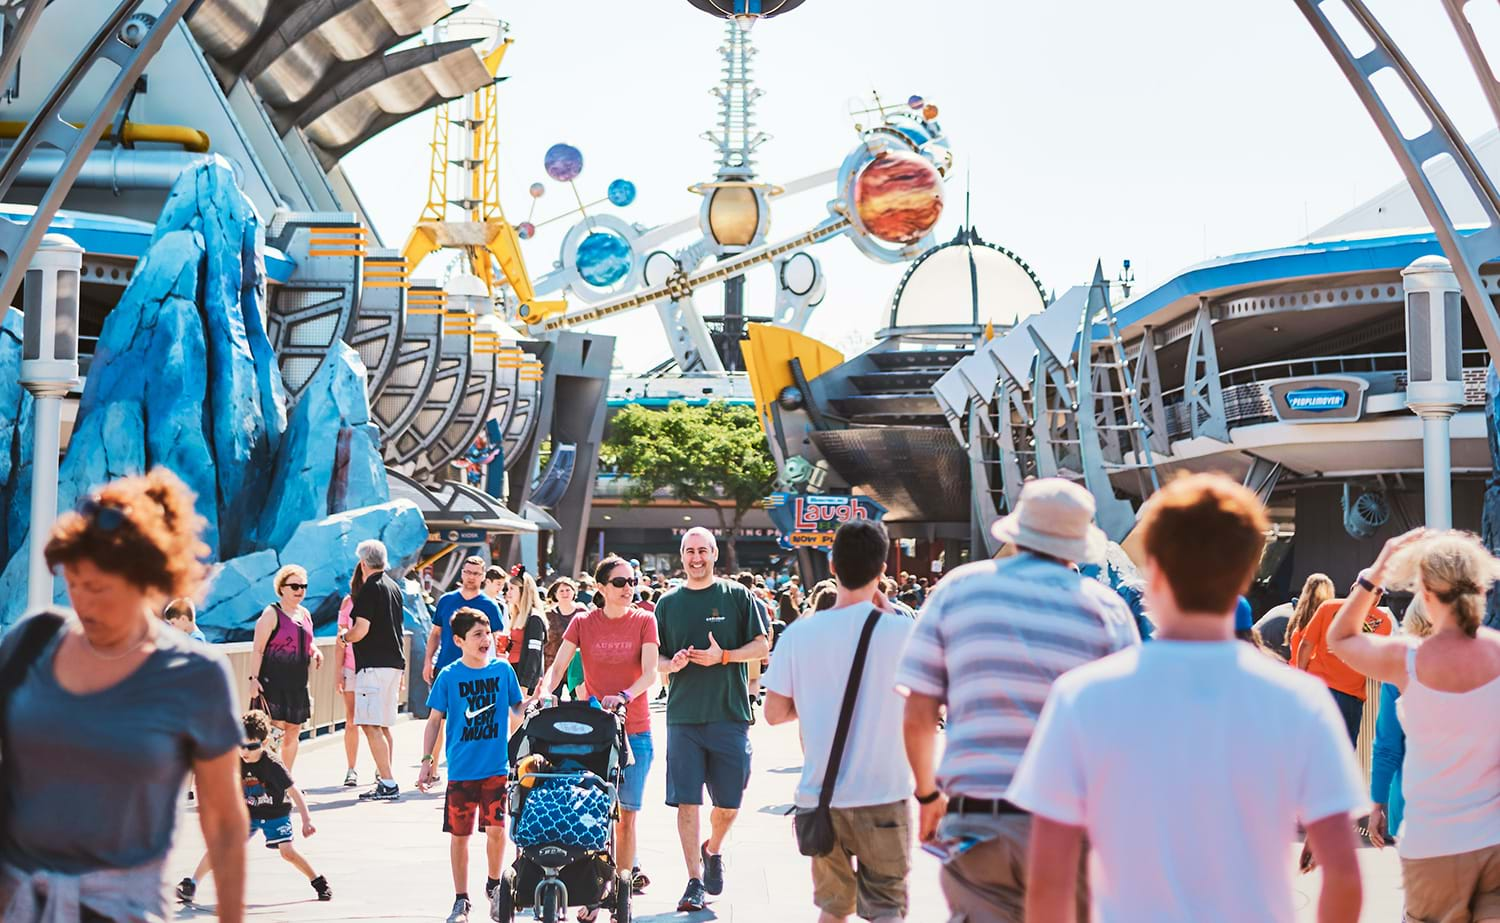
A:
(18, 242)
(1203, 393)
(1467, 251)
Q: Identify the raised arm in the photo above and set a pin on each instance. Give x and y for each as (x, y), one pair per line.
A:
(1378, 656)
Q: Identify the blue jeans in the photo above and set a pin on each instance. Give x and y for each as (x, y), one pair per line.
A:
(633, 785)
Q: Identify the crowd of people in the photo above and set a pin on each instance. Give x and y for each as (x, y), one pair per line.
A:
(1059, 766)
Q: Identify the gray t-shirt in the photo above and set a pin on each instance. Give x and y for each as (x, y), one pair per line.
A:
(96, 777)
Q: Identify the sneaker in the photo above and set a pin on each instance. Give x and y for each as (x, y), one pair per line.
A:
(320, 885)
(460, 912)
(713, 870)
(693, 898)
(187, 889)
(351, 779)
(382, 792)
(639, 882)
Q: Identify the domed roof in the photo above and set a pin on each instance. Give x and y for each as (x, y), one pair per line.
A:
(967, 281)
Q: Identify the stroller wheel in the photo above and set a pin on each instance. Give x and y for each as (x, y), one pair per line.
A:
(551, 913)
(503, 903)
(622, 898)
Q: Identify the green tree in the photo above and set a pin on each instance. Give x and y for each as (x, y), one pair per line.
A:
(712, 455)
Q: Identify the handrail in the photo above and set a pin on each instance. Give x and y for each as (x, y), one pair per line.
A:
(189, 138)
(1288, 364)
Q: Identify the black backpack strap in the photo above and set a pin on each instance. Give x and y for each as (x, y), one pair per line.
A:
(36, 632)
(846, 711)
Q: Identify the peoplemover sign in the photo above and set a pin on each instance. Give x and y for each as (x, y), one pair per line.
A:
(1330, 399)
(1317, 400)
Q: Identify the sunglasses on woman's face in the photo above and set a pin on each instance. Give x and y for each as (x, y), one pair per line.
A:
(295, 587)
(251, 745)
(621, 583)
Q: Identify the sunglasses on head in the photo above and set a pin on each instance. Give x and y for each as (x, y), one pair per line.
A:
(251, 745)
(105, 516)
(621, 583)
(294, 587)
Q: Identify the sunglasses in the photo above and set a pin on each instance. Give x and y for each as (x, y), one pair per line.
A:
(621, 583)
(294, 587)
(251, 745)
(106, 517)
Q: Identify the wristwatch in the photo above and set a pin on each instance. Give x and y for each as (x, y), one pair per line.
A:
(625, 694)
(929, 798)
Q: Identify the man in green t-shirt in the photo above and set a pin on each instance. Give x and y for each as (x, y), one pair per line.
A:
(709, 629)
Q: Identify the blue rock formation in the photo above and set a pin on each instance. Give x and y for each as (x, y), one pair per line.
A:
(326, 549)
(329, 459)
(15, 439)
(419, 622)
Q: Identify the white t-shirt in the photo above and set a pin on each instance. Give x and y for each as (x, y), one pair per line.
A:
(811, 667)
(1189, 765)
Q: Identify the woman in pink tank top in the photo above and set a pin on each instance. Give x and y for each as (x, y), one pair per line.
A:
(1449, 841)
(282, 654)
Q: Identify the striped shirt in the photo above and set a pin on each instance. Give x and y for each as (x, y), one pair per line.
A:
(990, 641)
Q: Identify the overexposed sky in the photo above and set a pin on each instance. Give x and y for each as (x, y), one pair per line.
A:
(1163, 131)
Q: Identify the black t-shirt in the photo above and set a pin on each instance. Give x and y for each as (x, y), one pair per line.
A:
(266, 782)
(379, 602)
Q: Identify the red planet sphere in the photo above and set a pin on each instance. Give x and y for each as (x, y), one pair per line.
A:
(898, 196)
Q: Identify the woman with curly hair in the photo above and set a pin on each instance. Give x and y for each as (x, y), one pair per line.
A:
(1450, 695)
(108, 711)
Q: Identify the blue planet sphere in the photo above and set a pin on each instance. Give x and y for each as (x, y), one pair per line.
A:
(563, 162)
(621, 192)
(603, 259)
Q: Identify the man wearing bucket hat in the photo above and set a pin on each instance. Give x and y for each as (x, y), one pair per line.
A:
(992, 637)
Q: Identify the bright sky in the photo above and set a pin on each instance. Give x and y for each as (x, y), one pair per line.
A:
(1163, 131)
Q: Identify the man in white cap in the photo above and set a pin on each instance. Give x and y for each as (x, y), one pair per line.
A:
(991, 639)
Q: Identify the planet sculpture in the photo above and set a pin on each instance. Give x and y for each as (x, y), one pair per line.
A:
(603, 258)
(538, 190)
(563, 162)
(914, 102)
(898, 197)
(525, 230)
(929, 112)
(621, 192)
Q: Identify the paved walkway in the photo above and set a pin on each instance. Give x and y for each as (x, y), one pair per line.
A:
(389, 861)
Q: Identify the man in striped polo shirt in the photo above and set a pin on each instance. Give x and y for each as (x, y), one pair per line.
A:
(992, 638)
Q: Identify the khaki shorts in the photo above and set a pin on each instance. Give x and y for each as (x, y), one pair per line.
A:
(377, 691)
(987, 884)
(878, 837)
(1453, 889)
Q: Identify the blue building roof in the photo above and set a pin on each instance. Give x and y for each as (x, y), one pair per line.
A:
(114, 236)
(1320, 258)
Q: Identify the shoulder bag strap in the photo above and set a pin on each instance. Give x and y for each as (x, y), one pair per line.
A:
(35, 636)
(846, 711)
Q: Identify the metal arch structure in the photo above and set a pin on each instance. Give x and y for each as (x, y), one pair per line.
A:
(1201, 385)
(416, 363)
(317, 307)
(1467, 250)
(380, 324)
(477, 396)
(18, 242)
(18, 19)
(441, 402)
(966, 237)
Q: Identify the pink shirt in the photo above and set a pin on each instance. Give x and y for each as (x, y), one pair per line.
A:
(346, 620)
(611, 650)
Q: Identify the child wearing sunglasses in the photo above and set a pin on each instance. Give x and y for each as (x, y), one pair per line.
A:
(268, 787)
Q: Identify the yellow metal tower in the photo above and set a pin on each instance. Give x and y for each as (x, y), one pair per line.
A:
(477, 223)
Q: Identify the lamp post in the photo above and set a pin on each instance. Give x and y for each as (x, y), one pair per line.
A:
(1434, 373)
(49, 370)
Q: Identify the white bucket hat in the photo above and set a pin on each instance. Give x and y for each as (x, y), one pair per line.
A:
(1056, 517)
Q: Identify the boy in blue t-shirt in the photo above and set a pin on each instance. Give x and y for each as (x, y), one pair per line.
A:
(477, 695)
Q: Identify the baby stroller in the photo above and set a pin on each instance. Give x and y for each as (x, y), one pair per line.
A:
(566, 763)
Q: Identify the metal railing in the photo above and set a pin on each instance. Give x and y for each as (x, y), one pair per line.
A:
(327, 705)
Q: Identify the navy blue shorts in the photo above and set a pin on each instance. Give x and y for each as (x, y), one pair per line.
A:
(716, 755)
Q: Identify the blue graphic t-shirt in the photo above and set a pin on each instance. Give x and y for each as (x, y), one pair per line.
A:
(449, 603)
(477, 706)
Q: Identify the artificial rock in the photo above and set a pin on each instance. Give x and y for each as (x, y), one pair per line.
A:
(329, 460)
(15, 439)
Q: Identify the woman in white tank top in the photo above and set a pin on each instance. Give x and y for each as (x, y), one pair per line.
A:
(1450, 709)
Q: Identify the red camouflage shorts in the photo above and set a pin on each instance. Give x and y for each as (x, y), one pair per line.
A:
(484, 798)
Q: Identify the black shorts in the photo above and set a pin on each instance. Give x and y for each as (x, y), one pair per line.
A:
(715, 755)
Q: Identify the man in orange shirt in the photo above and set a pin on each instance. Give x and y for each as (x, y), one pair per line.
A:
(1310, 652)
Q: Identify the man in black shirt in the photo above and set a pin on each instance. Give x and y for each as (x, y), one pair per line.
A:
(379, 663)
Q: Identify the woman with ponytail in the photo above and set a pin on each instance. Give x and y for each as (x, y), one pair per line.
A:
(1450, 697)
